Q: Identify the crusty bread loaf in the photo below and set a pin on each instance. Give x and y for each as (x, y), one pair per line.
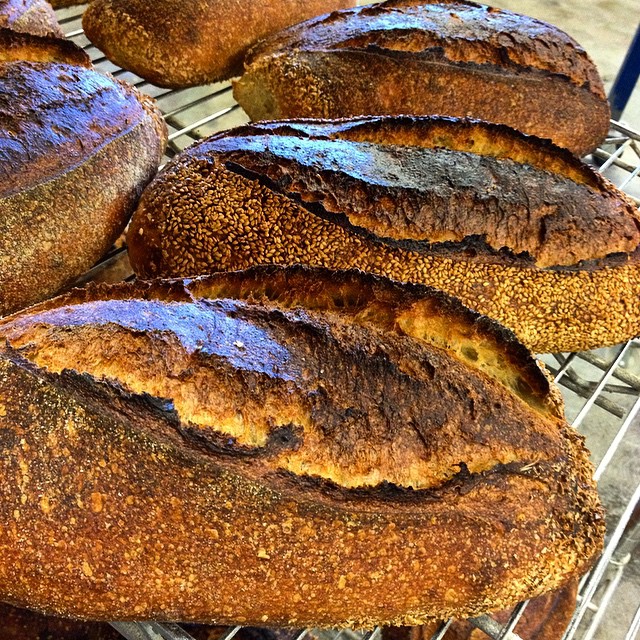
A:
(30, 16)
(180, 43)
(518, 229)
(545, 618)
(447, 58)
(213, 450)
(77, 148)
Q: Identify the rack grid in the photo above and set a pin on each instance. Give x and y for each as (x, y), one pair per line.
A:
(601, 388)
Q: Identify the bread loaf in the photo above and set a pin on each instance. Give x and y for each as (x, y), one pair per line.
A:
(216, 451)
(448, 58)
(545, 618)
(77, 148)
(516, 228)
(30, 16)
(181, 43)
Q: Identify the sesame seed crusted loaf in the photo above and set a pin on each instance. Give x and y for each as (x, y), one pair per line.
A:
(515, 227)
(30, 16)
(545, 618)
(181, 43)
(413, 57)
(217, 451)
(77, 147)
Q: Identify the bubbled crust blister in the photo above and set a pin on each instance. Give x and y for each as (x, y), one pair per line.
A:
(277, 465)
(453, 58)
(517, 228)
(77, 149)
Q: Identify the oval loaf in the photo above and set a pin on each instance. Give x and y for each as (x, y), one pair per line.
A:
(76, 150)
(181, 43)
(516, 228)
(447, 58)
(221, 451)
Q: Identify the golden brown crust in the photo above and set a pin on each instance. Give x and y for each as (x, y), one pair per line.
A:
(458, 59)
(206, 44)
(30, 16)
(87, 146)
(542, 250)
(236, 514)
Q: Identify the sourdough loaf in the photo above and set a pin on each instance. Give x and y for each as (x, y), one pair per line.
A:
(518, 229)
(180, 43)
(214, 450)
(450, 58)
(77, 148)
(30, 16)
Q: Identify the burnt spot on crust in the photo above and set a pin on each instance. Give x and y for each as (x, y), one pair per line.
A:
(282, 384)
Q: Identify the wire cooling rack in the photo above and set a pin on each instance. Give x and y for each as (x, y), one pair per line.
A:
(601, 390)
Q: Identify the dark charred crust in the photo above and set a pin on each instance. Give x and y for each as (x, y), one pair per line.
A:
(280, 439)
(471, 248)
(392, 495)
(155, 422)
(317, 186)
(347, 292)
(414, 130)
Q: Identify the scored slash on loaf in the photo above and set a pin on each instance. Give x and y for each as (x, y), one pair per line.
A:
(517, 228)
(446, 58)
(282, 446)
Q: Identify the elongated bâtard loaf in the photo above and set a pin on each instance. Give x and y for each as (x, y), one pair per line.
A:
(518, 229)
(77, 148)
(180, 43)
(447, 58)
(280, 447)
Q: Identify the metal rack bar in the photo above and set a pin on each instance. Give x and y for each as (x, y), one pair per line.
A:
(615, 443)
(598, 390)
(594, 576)
(634, 628)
